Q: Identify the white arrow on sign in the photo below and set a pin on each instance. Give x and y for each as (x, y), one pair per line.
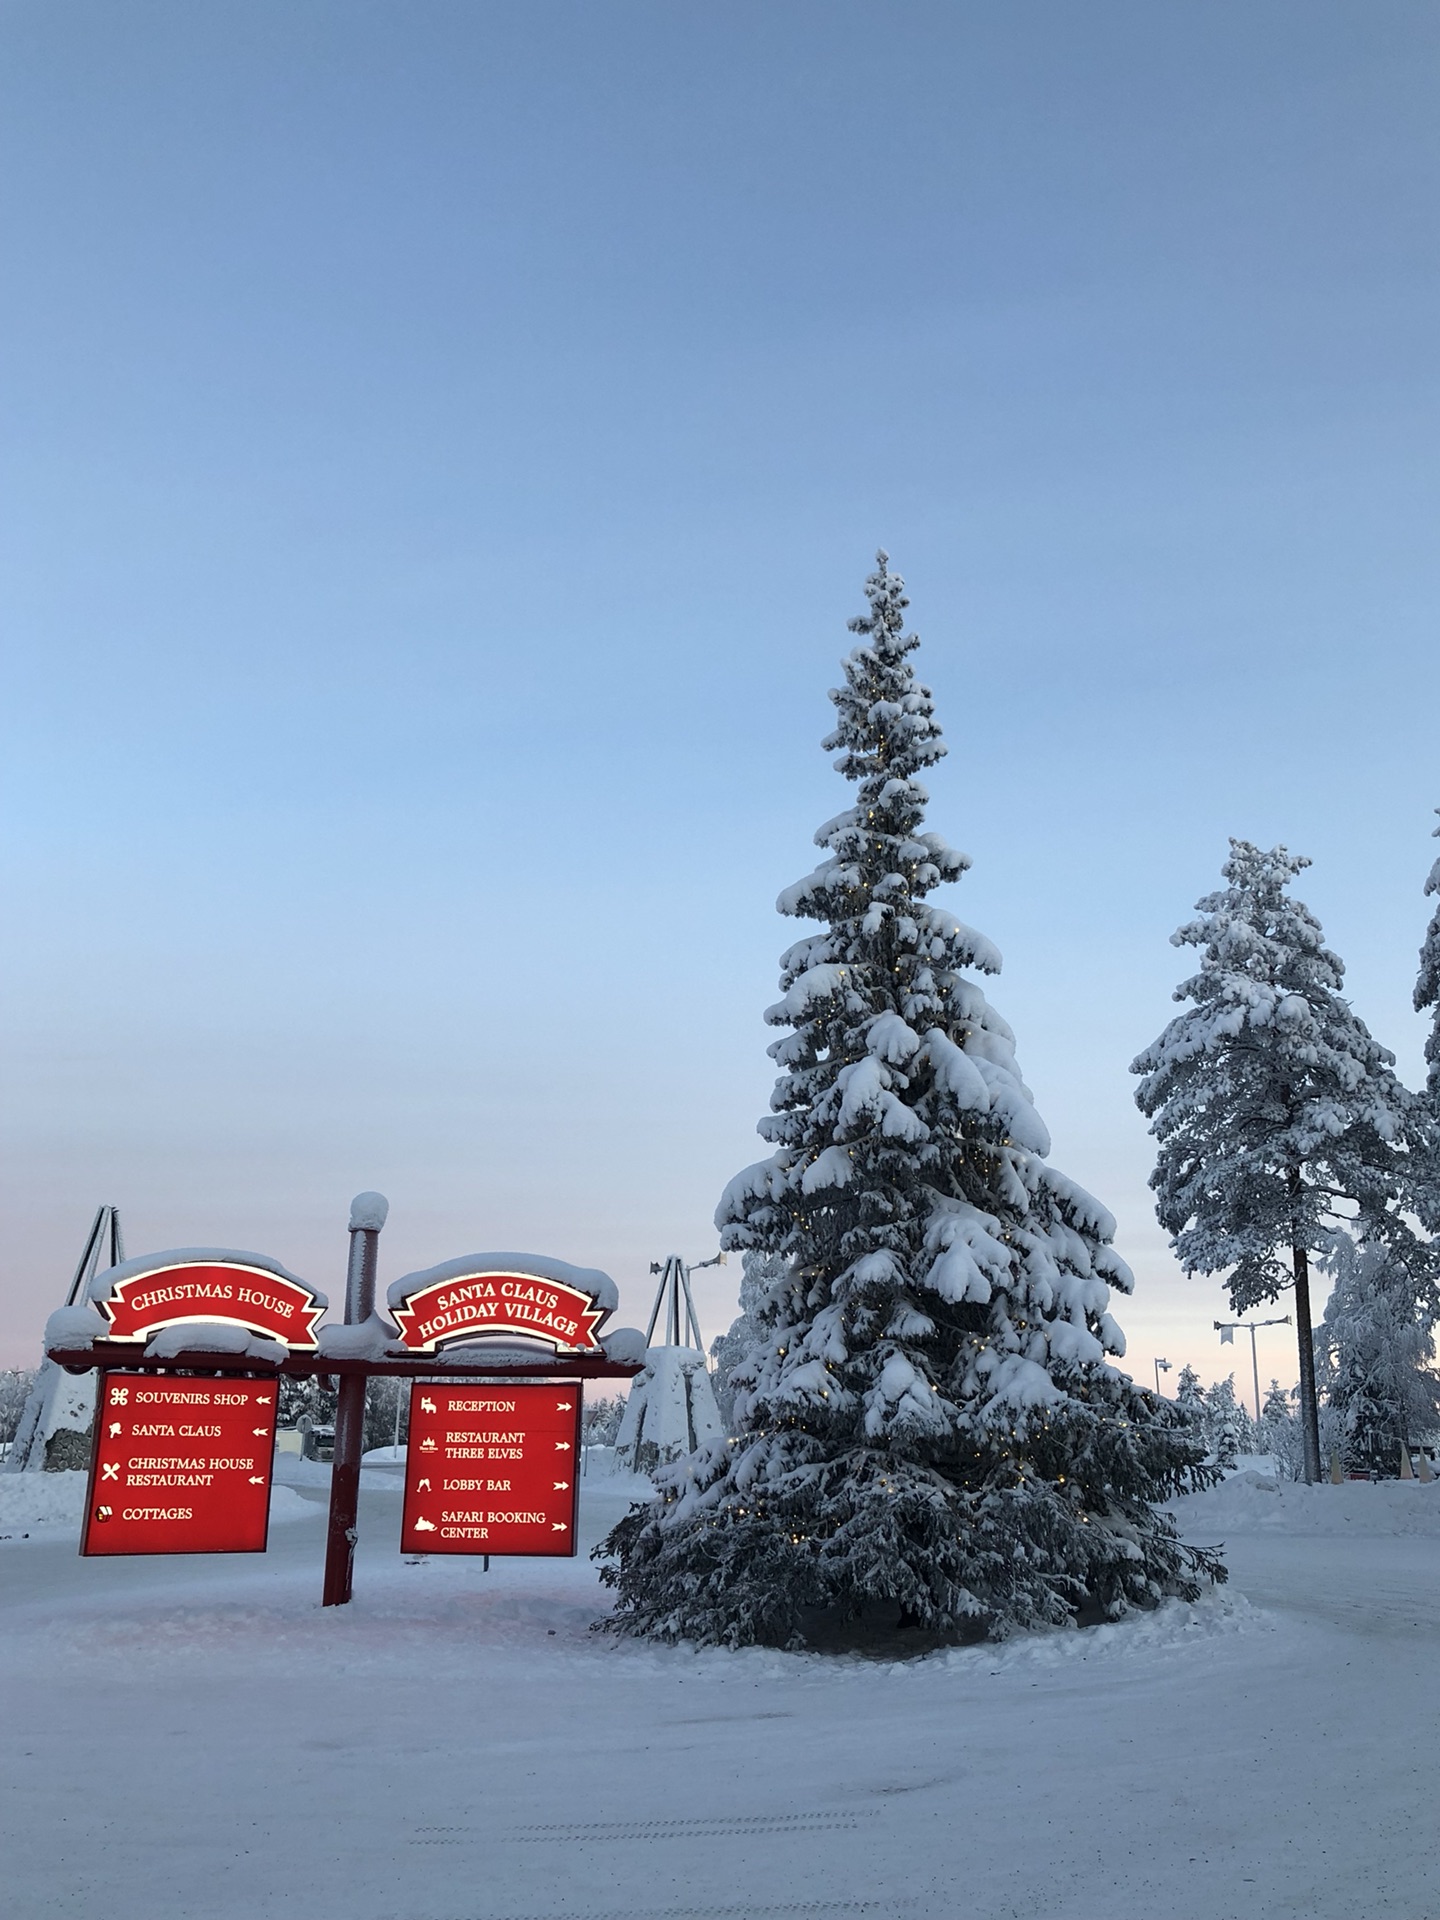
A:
(257, 1479)
(562, 1446)
(562, 1486)
(263, 1399)
(262, 1431)
(558, 1526)
(564, 1406)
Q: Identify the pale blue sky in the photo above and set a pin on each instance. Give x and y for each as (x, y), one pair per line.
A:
(442, 446)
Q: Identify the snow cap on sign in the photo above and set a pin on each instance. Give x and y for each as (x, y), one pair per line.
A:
(368, 1339)
(103, 1283)
(368, 1212)
(599, 1286)
(75, 1327)
(625, 1344)
(213, 1336)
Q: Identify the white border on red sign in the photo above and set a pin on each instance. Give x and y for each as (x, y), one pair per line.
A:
(145, 1332)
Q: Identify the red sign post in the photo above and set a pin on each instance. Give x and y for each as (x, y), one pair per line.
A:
(181, 1465)
(491, 1468)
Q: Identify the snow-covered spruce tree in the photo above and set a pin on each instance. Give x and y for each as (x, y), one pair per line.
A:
(1228, 1422)
(1427, 985)
(928, 1432)
(1190, 1398)
(1377, 1349)
(1278, 1115)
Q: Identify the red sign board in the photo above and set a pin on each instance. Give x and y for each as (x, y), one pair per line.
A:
(181, 1465)
(238, 1296)
(492, 1469)
(478, 1303)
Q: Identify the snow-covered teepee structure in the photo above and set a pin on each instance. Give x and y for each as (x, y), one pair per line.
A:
(927, 1431)
(671, 1407)
(59, 1411)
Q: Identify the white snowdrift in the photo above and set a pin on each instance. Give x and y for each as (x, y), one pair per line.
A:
(1258, 1503)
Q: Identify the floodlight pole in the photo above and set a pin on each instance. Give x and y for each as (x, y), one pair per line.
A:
(1160, 1366)
(1249, 1326)
(367, 1217)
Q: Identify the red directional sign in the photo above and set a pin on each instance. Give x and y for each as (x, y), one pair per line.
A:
(181, 1465)
(239, 1296)
(492, 1469)
(475, 1303)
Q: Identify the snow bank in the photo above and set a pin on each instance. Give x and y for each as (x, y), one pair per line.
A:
(40, 1503)
(1252, 1502)
(47, 1506)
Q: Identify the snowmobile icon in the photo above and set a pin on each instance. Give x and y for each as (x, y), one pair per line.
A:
(425, 1526)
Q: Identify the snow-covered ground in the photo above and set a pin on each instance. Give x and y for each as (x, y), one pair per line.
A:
(196, 1738)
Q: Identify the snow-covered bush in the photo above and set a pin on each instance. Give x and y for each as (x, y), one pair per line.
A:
(927, 1427)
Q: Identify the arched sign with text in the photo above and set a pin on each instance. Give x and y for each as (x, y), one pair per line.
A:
(466, 1305)
(169, 1290)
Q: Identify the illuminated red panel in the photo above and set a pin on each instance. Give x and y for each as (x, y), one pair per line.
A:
(238, 1296)
(492, 1469)
(181, 1465)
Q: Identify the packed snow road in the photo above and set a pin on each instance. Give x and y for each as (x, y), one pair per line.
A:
(195, 1737)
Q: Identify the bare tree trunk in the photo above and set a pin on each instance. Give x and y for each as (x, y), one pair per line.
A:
(1309, 1409)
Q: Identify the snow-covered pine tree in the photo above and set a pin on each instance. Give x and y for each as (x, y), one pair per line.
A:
(1377, 1348)
(1190, 1398)
(1277, 1404)
(1273, 1105)
(1427, 984)
(927, 1424)
(1279, 1432)
(1228, 1422)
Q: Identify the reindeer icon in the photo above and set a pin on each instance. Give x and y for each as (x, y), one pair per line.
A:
(427, 1405)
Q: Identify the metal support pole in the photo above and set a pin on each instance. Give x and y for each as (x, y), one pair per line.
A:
(367, 1217)
(1255, 1368)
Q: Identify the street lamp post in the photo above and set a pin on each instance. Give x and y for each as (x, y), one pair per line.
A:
(1161, 1366)
(1227, 1330)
